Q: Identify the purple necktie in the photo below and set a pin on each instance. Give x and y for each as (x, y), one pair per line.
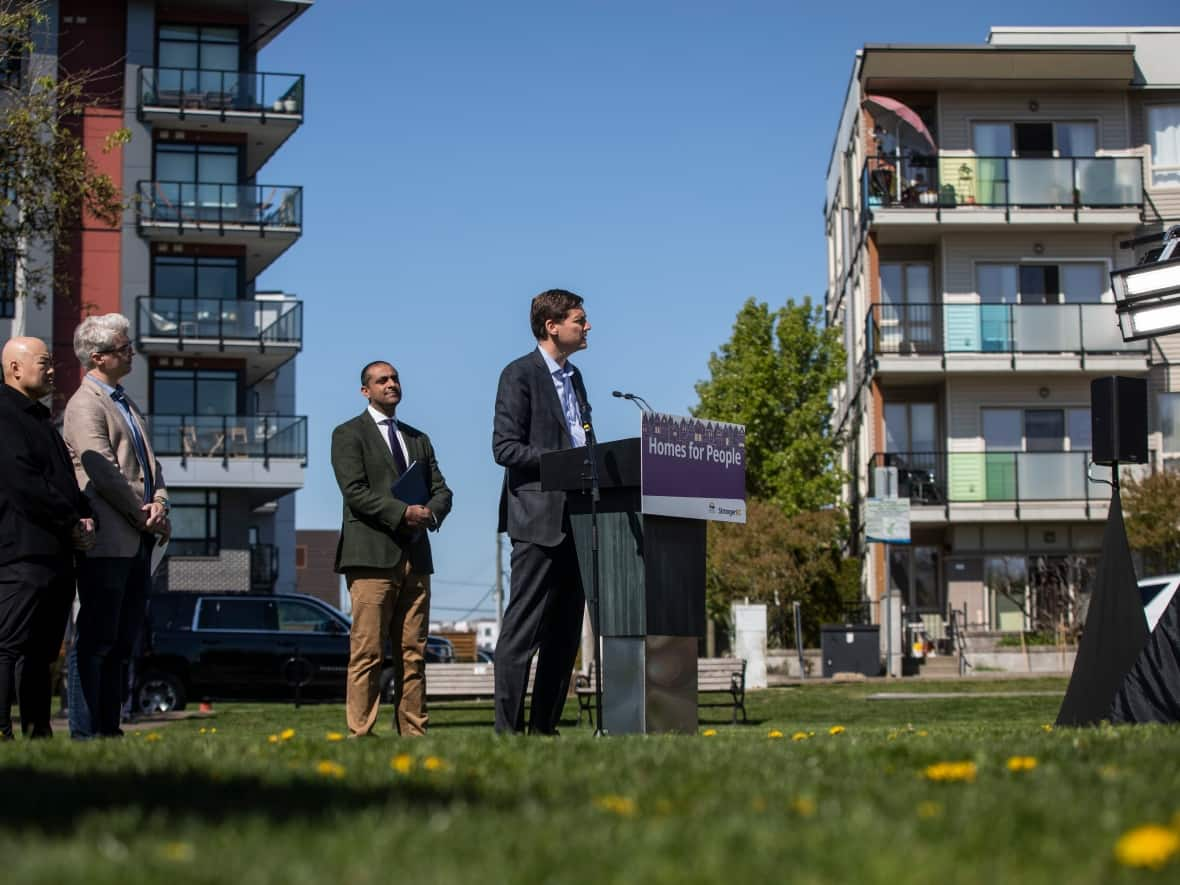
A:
(394, 446)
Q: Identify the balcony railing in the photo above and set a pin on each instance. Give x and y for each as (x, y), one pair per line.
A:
(221, 320)
(244, 91)
(264, 567)
(226, 437)
(186, 202)
(935, 329)
(939, 478)
(945, 182)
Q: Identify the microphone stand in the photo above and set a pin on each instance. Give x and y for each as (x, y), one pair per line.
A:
(595, 496)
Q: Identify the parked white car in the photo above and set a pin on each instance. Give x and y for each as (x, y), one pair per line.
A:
(1156, 593)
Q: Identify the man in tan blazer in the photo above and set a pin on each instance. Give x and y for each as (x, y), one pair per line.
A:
(118, 471)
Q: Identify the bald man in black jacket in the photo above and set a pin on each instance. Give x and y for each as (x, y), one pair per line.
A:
(44, 518)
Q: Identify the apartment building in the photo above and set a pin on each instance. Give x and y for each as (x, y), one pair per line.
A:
(215, 366)
(977, 198)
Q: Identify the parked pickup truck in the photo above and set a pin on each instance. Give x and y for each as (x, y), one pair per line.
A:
(248, 646)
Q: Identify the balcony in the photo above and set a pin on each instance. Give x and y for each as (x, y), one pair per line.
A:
(967, 191)
(266, 219)
(916, 339)
(266, 107)
(998, 486)
(266, 332)
(262, 454)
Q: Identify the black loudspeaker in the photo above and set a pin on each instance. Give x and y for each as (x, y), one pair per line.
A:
(1118, 420)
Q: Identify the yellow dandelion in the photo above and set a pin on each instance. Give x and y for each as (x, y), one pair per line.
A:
(1021, 763)
(1147, 846)
(328, 768)
(272, 739)
(836, 729)
(774, 733)
(951, 771)
(623, 806)
(928, 810)
(402, 763)
(202, 731)
(709, 732)
(923, 733)
(177, 852)
(152, 736)
(286, 734)
(433, 763)
(212, 731)
(1046, 727)
(804, 806)
(799, 736)
(334, 736)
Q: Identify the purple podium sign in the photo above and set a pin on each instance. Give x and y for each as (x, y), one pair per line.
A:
(692, 468)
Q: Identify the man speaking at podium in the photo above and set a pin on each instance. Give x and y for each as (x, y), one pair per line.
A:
(539, 404)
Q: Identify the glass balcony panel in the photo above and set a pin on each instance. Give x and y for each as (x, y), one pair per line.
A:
(220, 319)
(1109, 181)
(1052, 476)
(1168, 409)
(1040, 182)
(1046, 328)
(229, 436)
(176, 201)
(210, 88)
(1100, 331)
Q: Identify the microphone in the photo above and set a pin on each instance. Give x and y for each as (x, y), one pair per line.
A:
(584, 409)
(635, 398)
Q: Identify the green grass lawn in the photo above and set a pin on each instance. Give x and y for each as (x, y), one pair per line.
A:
(734, 804)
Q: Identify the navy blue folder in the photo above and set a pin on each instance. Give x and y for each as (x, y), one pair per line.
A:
(413, 486)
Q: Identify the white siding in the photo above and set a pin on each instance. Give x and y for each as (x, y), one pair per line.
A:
(958, 110)
(965, 398)
(961, 252)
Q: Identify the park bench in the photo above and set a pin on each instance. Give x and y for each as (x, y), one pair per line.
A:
(465, 682)
(714, 675)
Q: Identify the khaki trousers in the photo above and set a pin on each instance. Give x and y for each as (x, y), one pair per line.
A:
(388, 602)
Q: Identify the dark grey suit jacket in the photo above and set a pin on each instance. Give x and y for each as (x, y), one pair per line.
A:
(529, 422)
(372, 534)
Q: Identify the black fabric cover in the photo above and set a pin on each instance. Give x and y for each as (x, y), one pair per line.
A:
(1151, 691)
(1115, 633)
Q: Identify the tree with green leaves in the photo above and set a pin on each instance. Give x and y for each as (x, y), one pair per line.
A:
(775, 375)
(1152, 506)
(48, 182)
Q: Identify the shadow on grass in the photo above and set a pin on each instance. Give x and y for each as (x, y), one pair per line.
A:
(54, 802)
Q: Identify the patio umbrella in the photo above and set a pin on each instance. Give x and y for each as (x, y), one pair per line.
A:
(902, 120)
(908, 128)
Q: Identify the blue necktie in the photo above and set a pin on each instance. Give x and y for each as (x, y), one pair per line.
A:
(120, 397)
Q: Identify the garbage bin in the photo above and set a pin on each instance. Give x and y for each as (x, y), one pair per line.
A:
(851, 648)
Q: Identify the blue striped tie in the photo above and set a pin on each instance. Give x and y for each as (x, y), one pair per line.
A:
(120, 397)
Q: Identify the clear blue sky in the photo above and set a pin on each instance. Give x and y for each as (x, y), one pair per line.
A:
(665, 160)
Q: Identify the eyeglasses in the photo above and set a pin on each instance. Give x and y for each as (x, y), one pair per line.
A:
(126, 350)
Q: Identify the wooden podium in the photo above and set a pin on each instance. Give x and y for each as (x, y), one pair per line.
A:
(652, 585)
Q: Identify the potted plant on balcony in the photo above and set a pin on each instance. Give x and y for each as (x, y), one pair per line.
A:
(965, 177)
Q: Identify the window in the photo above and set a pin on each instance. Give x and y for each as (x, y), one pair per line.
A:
(1163, 126)
(195, 524)
(194, 392)
(914, 573)
(1082, 282)
(907, 309)
(197, 163)
(238, 614)
(301, 617)
(7, 286)
(1036, 430)
(1049, 139)
(203, 47)
(10, 65)
(175, 276)
(910, 427)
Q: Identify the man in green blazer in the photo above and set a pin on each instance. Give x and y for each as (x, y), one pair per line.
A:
(384, 553)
